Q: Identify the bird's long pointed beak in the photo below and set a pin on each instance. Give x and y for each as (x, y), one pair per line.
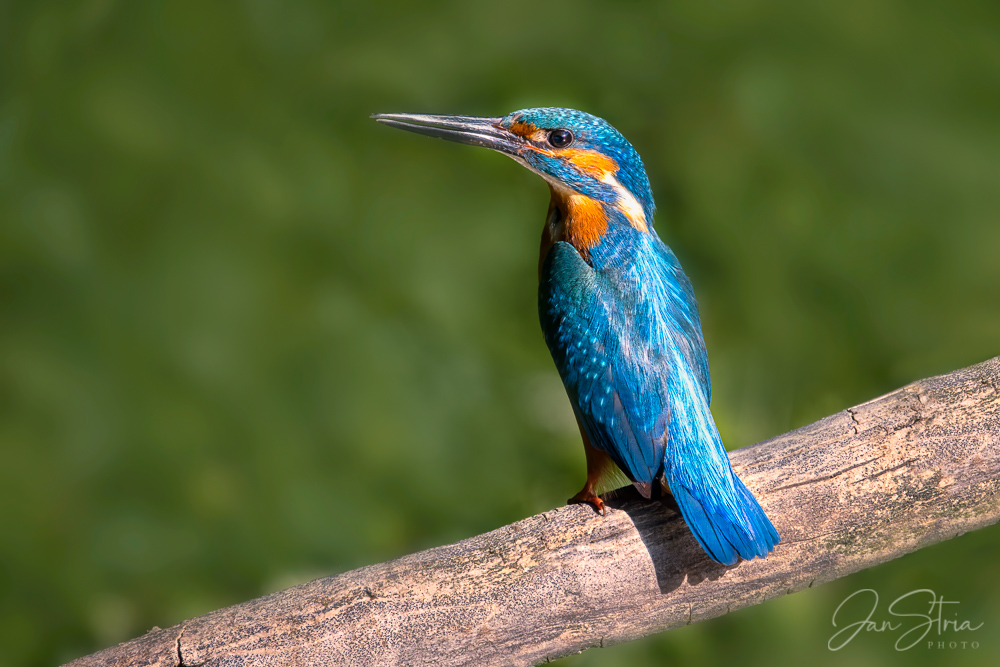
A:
(472, 130)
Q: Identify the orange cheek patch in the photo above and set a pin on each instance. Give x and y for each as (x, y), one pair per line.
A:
(527, 130)
(591, 163)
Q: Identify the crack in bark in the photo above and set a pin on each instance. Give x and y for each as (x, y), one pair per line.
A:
(180, 655)
(888, 470)
(180, 658)
(854, 419)
(810, 538)
(826, 477)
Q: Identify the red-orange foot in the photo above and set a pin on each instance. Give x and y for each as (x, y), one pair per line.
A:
(589, 498)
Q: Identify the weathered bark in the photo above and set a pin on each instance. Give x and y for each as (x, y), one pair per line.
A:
(914, 467)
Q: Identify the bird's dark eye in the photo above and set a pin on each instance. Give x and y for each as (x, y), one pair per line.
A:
(560, 138)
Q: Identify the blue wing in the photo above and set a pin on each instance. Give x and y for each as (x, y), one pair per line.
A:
(628, 345)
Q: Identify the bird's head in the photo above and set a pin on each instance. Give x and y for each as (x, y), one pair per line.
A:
(589, 165)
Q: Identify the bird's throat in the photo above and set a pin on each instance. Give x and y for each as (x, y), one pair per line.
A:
(586, 222)
(574, 218)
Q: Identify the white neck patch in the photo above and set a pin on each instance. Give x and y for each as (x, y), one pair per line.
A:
(627, 203)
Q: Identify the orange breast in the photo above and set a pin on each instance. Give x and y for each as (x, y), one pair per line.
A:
(580, 221)
(586, 222)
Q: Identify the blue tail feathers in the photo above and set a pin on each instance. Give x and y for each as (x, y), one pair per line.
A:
(727, 527)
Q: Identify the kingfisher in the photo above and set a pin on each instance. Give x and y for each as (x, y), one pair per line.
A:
(621, 321)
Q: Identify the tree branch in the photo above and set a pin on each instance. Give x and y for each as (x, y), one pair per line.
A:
(863, 486)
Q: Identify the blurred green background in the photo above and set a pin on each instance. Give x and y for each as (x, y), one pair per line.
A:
(249, 337)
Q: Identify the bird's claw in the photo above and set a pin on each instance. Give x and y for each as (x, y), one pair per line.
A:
(588, 498)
